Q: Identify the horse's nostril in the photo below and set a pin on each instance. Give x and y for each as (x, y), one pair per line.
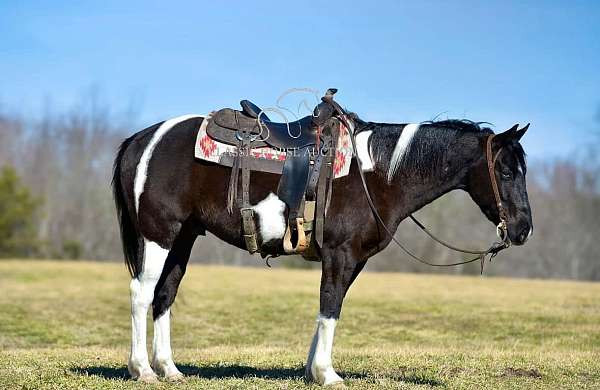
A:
(524, 235)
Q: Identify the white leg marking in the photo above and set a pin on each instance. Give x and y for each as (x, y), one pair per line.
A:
(270, 216)
(142, 293)
(162, 360)
(142, 167)
(363, 151)
(319, 367)
(401, 149)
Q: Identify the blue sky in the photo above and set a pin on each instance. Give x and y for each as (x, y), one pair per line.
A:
(502, 62)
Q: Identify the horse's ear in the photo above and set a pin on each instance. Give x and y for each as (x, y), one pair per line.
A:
(507, 136)
(520, 133)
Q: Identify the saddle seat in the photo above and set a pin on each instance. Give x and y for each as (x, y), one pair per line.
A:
(230, 126)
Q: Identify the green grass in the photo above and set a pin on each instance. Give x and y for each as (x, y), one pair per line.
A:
(66, 325)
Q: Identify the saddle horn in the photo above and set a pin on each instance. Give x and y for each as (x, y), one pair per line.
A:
(329, 94)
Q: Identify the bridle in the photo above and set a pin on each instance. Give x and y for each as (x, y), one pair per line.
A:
(481, 255)
(501, 229)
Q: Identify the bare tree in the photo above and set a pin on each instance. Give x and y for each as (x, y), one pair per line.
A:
(66, 159)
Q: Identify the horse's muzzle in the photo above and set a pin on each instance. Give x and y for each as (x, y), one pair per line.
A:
(523, 233)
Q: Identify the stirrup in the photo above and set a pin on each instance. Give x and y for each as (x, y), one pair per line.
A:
(301, 245)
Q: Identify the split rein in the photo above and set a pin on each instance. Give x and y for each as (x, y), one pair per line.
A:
(481, 256)
(501, 229)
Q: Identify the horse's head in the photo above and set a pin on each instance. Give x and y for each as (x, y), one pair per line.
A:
(508, 160)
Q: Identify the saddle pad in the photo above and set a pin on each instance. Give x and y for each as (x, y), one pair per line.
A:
(208, 149)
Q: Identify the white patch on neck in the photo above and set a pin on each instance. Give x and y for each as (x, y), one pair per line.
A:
(363, 151)
(270, 216)
(402, 148)
(141, 172)
(362, 147)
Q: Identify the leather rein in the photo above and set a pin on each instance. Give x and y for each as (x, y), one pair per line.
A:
(481, 255)
(501, 228)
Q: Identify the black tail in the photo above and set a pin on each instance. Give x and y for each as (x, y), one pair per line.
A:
(133, 243)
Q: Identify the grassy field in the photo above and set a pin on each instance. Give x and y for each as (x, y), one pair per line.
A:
(66, 325)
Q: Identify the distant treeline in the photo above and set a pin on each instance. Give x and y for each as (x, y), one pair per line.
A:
(64, 162)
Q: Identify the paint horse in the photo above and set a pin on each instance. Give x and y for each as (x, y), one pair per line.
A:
(165, 199)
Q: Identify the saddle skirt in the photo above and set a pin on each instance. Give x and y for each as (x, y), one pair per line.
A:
(209, 149)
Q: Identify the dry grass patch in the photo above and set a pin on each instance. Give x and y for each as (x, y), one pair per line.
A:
(66, 325)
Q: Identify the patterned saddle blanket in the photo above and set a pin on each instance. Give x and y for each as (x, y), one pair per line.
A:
(221, 153)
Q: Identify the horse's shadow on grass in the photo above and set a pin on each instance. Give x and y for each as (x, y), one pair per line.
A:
(240, 372)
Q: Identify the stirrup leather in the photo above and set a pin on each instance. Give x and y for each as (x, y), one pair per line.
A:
(249, 229)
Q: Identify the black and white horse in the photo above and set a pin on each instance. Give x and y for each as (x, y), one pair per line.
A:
(165, 199)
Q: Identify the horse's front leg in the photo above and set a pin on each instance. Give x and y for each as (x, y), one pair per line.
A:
(339, 271)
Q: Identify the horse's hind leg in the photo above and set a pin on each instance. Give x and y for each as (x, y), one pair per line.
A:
(142, 293)
(164, 296)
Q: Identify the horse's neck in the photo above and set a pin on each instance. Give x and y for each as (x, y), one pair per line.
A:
(410, 191)
(429, 195)
(415, 192)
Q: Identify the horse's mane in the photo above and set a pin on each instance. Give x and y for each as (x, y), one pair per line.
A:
(426, 150)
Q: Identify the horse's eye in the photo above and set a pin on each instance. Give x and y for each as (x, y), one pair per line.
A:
(506, 174)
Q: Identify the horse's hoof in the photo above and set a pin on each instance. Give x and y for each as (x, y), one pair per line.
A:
(142, 374)
(148, 377)
(330, 379)
(167, 371)
(175, 377)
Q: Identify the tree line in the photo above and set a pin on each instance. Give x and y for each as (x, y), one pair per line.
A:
(56, 202)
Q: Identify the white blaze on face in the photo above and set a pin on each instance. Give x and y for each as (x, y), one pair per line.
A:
(520, 169)
(270, 213)
(402, 148)
(141, 172)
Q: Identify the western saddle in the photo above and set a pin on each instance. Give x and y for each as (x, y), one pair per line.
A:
(306, 173)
